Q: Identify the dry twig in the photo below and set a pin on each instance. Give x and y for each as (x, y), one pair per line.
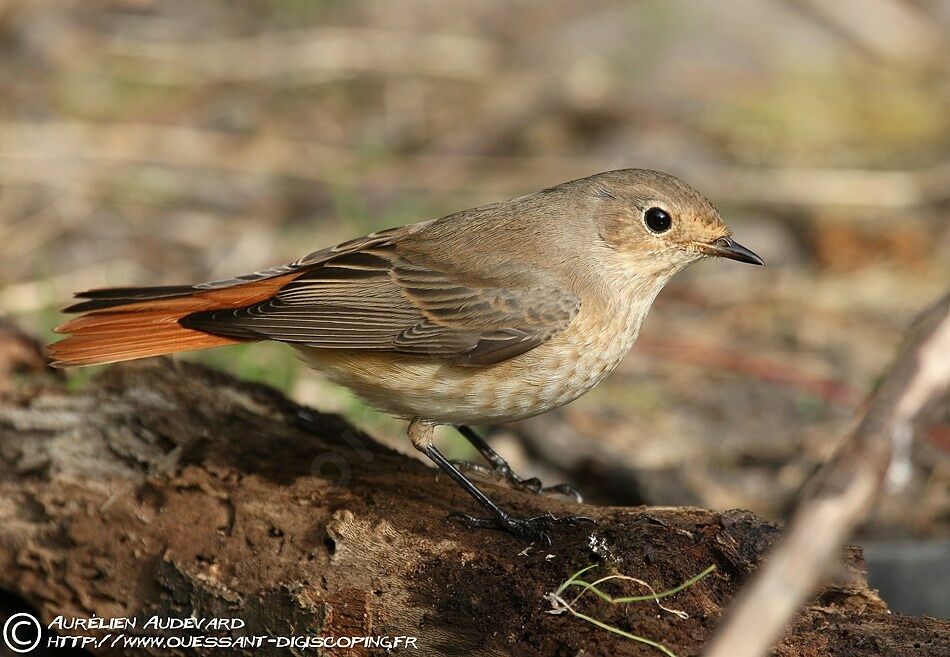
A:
(840, 495)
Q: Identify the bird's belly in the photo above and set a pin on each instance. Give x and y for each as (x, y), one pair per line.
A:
(537, 381)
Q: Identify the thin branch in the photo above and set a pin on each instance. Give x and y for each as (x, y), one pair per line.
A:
(840, 495)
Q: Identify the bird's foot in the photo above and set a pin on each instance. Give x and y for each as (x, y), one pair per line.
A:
(532, 484)
(532, 529)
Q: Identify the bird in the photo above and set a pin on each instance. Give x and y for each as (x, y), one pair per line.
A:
(488, 315)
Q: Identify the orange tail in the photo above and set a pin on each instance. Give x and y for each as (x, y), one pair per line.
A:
(128, 328)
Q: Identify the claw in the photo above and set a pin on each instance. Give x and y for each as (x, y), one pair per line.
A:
(532, 529)
(533, 484)
(563, 489)
(500, 470)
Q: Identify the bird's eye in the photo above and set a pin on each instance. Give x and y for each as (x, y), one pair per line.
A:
(657, 220)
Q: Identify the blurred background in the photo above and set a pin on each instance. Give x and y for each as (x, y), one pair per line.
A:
(147, 142)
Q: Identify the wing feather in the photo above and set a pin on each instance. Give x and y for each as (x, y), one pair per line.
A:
(370, 296)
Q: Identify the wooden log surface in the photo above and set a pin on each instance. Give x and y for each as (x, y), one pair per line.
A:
(166, 488)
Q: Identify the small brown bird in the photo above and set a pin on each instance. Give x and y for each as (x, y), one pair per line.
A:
(488, 315)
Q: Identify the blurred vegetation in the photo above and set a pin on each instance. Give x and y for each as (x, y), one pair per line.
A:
(157, 142)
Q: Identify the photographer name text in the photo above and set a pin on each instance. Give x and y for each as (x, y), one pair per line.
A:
(155, 622)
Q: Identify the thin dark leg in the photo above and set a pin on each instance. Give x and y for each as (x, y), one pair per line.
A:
(500, 467)
(528, 528)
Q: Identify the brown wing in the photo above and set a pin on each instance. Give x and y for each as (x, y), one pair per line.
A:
(136, 322)
(376, 298)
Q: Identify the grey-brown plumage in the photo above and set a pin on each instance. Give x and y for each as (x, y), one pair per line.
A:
(491, 314)
(384, 297)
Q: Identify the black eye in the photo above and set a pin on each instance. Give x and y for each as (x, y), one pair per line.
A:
(657, 220)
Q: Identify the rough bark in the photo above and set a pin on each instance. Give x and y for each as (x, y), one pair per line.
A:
(167, 488)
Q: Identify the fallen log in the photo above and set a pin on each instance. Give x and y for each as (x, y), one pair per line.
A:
(166, 489)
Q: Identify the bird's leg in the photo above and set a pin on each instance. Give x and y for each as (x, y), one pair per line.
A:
(420, 434)
(499, 467)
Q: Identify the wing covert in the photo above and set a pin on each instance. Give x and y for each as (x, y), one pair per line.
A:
(376, 299)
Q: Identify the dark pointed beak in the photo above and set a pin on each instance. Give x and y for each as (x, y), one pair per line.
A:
(726, 247)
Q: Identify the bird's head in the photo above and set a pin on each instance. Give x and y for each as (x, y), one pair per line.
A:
(659, 224)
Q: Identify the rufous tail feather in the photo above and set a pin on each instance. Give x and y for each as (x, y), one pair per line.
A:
(133, 326)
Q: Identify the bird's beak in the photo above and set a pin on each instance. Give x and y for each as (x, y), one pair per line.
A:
(726, 247)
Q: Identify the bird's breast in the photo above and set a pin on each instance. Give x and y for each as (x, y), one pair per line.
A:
(582, 356)
(554, 373)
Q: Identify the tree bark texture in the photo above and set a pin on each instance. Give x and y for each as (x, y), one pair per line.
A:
(167, 488)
